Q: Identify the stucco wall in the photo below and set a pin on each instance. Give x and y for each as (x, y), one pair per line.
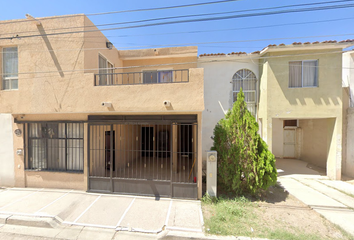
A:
(348, 168)
(7, 173)
(218, 88)
(55, 180)
(324, 101)
(314, 144)
(277, 137)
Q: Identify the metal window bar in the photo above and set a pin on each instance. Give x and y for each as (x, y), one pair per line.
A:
(51, 150)
(146, 77)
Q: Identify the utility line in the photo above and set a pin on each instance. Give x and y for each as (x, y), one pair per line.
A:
(198, 43)
(162, 8)
(188, 16)
(253, 57)
(126, 11)
(197, 20)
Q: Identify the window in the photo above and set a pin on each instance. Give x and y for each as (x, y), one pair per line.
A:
(55, 146)
(105, 71)
(10, 68)
(303, 74)
(290, 123)
(246, 80)
(157, 76)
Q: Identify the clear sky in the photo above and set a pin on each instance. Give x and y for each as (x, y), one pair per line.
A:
(245, 34)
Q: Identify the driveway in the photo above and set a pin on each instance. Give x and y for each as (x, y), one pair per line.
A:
(332, 199)
(77, 208)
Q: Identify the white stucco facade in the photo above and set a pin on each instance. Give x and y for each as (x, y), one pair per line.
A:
(218, 73)
(7, 173)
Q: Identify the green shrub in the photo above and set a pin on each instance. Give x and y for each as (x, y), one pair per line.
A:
(245, 165)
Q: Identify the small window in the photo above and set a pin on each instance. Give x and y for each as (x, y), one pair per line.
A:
(303, 74)
(106, 71)
(10, 68)
(290, 123)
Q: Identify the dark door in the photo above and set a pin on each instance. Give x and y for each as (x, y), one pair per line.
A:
(108, 144)
(147, 141)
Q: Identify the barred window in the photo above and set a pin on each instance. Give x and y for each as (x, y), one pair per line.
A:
(55, 147)
(246, 80)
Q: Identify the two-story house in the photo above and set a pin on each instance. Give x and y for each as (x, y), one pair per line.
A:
(78, 113)
(296, 92)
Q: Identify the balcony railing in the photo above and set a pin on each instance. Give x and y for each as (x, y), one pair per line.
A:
(145, 77)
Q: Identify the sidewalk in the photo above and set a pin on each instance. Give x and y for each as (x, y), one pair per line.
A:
(51, 208)
(334, 200)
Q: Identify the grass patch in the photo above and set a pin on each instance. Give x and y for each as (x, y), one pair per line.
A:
(249, 217)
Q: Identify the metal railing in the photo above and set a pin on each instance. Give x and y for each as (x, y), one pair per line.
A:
(145, 77)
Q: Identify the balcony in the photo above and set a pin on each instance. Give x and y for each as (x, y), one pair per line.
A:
(107, 77)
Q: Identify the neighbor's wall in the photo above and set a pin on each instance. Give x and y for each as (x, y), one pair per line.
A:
(349, 165)
(7, 173)
(218, 88)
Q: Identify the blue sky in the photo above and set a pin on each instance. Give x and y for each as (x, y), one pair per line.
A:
(208, 36)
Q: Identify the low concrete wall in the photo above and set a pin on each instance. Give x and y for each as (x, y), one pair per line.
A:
(7, 173)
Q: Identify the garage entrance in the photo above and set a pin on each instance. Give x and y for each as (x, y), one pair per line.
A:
(143, 155)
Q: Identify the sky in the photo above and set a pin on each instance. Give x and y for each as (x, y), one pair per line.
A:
(245, 34)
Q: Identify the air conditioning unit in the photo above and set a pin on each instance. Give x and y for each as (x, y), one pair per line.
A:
(211, 178)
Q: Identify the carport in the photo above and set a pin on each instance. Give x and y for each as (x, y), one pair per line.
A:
(154, 155)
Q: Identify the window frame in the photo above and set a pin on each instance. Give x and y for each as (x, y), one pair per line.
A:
(158, 81)
(10, 79)
(63, 140)
(107, 71)
(253, 103)
(302, 73)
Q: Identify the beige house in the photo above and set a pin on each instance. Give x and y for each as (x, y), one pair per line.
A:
(303, 103)
(78, 113)
(299, 94)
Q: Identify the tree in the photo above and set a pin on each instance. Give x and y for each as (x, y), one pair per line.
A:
(244, 162)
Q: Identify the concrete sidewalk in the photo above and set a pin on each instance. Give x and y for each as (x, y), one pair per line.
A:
(332, 199)
(50, 208)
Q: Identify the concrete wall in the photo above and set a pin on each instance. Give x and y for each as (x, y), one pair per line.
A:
(324, 101)
(218, 88)
(314, 145)
(7, 173)
(278, 142)
(348, 168)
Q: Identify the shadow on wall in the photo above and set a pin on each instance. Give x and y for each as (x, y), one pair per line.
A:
(325, 94)
(50, 48)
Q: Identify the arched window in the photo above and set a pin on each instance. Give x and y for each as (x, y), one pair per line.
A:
(246, 80)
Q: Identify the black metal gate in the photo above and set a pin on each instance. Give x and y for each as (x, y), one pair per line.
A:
(145, 157)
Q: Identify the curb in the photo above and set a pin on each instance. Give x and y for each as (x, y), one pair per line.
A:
(31, 221)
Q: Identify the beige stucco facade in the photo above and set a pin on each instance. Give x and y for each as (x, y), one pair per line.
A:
(320, 111)
(56, 83)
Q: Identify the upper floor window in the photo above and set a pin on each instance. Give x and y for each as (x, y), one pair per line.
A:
(157, 76)
(105, 71)
(303, 74)
(10, 68)
(246, 80)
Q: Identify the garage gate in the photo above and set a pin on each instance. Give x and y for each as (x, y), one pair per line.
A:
(143, 155)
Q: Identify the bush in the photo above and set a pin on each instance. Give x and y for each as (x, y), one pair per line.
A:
(245, 165)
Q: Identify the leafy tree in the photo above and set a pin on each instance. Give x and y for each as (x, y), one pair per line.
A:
(245, 165)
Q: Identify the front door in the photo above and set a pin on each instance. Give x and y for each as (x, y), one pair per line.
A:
(289, 143)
